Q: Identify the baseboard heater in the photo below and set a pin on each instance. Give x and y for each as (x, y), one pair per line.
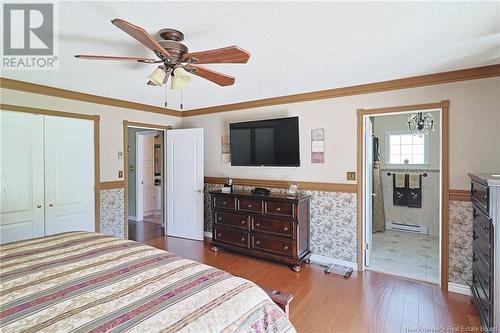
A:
(413, 228)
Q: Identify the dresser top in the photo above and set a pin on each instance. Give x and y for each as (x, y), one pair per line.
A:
(488, 179)
(272, 195)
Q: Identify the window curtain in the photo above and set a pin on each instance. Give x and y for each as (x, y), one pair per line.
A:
(378, 213)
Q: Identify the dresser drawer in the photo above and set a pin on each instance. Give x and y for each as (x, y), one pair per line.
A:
(276, 226)
(481, 252)
(250, 205)
(223, 202)
(483, 305)
(479, 195)
(482, 222)
(279, 209)
(484, 278)
(232, 219)
(231, 236)
(277, 245)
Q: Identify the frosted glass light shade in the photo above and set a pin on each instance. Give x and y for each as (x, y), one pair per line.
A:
(180, 79)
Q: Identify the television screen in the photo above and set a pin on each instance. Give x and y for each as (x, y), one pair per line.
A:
(272, 142)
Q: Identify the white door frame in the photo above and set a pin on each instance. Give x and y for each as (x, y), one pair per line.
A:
(147, 127)
(139, 161)
(442, 170)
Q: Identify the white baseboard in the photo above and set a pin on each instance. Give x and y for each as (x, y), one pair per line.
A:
(132, 218)
(459, 289)
(323, 260)
(207, 234)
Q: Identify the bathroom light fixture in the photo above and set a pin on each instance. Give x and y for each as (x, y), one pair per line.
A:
(420, 123)
(158, 76)
(180, 79)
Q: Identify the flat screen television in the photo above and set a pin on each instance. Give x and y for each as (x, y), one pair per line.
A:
(272, 142)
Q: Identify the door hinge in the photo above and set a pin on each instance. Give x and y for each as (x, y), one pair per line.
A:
(366, 246)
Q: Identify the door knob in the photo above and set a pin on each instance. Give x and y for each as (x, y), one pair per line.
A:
(51, 205)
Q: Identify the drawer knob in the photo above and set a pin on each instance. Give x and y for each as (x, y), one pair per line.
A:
(285, 229)
(278, 209)
(285, 247)
(219, 234)
(243, 222)
(249, 206)
(224, 202)
(242, 239)
(257, 242)
(219, 218)
(257, 224)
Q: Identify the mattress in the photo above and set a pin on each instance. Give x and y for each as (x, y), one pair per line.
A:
(89, 282)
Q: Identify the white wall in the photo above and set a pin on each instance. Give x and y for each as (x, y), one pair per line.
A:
(474, 131)
(111, 124)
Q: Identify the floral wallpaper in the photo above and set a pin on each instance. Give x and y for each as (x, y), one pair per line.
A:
(112, 211)
(333, 221)
(460, 242)
(334, 229)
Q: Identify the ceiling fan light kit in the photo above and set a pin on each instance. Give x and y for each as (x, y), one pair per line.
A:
(180, 79)
(175, 57)
(158, 76)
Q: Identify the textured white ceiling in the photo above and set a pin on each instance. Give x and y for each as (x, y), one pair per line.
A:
(296, 46)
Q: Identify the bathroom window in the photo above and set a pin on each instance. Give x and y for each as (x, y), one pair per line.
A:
(406, 148)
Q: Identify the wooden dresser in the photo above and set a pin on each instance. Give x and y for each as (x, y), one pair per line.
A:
(273, 227)
(485, 199)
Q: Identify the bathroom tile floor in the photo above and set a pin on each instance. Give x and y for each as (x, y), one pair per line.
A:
(406, 254)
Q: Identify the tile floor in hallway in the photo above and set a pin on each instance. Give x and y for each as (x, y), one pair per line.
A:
(406, 254)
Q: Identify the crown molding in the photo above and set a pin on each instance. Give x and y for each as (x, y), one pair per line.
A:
(84, 97)
(404, 83)
(409, 82)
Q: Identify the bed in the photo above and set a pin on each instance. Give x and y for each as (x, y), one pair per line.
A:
(89, 282)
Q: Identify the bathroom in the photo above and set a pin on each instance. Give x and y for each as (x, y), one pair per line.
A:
(405, 188)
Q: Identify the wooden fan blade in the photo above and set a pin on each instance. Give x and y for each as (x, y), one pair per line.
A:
(141, 36)
(98, 57)
(211, 75)
(230, 54)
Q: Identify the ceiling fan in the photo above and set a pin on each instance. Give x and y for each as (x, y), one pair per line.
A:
(174, 58)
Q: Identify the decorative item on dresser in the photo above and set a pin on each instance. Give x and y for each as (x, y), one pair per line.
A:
(485, 196)
(273, 227)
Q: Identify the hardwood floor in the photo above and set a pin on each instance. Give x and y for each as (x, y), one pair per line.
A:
(142, 231)
(366, 302)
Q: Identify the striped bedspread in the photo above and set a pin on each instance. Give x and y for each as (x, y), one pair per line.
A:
(88, 282)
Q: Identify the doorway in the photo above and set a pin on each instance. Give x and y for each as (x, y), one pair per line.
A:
(144, 167)
(403, 192)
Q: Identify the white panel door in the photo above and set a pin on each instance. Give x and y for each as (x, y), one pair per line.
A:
(21, 169)
(69, 174)
(368, 189)
(185, 183)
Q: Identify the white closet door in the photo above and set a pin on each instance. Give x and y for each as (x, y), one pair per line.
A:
(21, 169)
(69, 174)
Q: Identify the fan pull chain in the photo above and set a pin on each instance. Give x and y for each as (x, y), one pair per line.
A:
(182, 107)
(166, 89)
